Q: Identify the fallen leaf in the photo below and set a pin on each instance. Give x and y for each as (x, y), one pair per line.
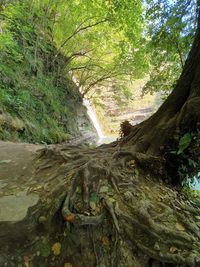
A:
(131, 163)
(94, 197)
(26, 261)
(70, 218)
(93, 205)
(173, 250)
(111, 200)
(68, 264)
(180, 227)
(103, 189)
(105, 241)
(56, 248)
(137, 172)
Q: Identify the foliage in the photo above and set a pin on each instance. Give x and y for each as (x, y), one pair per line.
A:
(42, 43)
(119, 40)
(170, 30)
(186, 157)
(184, 143)
(103, 41)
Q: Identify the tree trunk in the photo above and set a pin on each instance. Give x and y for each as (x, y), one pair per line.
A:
(179, 113)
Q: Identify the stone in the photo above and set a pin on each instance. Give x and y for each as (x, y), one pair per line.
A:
(14, 208)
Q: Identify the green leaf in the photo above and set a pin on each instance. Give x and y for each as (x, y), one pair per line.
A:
(184, 143)
(94, 197)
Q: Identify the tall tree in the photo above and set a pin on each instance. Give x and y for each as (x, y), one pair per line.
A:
(178, 115)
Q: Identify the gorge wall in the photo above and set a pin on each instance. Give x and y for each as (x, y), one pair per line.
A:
(38, 101)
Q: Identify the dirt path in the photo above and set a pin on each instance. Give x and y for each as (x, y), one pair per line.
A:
(15, 161)
(15, 169)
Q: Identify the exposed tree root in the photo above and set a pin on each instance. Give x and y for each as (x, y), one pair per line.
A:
(143, 213)
(104, 209)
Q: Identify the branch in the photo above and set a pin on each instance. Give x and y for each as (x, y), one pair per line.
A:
(103, 78)
(78, 54)
(179, 53)
(79, 29)
(88, 66)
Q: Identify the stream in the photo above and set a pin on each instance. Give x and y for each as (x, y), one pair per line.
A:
(102, 139)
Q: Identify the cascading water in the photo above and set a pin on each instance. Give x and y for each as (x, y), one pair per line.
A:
(93, 117)
(90, 111)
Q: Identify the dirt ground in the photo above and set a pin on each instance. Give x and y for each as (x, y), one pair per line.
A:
(15, 160)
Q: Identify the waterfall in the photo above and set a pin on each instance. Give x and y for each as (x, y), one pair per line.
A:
(93, 117)
(90, 111)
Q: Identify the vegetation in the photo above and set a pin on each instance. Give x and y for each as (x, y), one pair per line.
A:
(119, 204)
(37, 100)
(171, 28)
(52, 42)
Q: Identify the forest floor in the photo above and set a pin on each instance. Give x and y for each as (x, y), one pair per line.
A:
(37, 182)
(15, 165)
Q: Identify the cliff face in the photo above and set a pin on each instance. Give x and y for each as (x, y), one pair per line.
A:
(43, 118)
(113, 105)
(38, 101)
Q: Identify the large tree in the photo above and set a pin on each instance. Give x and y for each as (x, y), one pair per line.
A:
(117, 204)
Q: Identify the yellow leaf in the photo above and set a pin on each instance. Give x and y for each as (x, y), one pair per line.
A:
(111, 200)
(131, 163)
(180, 227)
(26, 261)
(56, 248)
(68, 265)
(93, 205)
(105, 241)
(173, 250)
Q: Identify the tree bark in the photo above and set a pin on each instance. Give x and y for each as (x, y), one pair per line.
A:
(178, 115)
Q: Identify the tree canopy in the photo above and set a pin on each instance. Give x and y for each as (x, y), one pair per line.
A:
(106, 40)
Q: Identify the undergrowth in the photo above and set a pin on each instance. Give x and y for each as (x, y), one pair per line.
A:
(184, 160)
(37, 101)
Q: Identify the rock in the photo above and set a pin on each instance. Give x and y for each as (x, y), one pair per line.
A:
(14, 208)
